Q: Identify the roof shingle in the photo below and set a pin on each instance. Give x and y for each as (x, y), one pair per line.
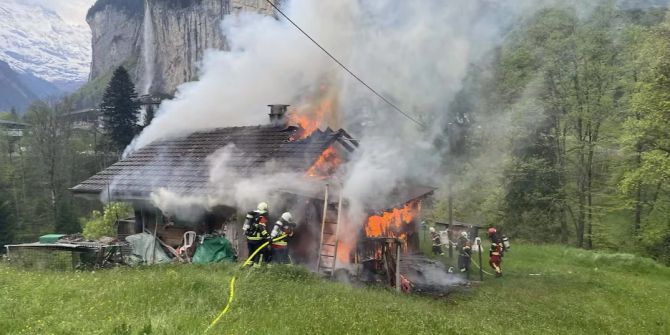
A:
(183, 165)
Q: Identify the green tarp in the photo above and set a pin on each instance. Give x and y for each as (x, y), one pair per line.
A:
(214, 249)
(145, 250)
(50, 238)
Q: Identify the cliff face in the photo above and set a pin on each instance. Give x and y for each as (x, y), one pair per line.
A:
(115, 38)
(162, 43)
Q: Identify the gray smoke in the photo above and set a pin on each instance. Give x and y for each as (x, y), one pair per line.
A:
(415, 53)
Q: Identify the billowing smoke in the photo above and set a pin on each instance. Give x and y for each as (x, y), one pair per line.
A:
(227, 186)
(245, 191)
(268, 62)
(415, 53)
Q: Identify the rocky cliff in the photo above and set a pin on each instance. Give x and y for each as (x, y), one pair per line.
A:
(161, 41)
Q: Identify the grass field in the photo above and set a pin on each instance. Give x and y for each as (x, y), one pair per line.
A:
(573, 292)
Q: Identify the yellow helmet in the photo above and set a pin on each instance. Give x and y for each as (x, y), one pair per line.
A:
(263, 207)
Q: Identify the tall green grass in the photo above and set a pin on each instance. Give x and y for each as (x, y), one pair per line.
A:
(545, 290)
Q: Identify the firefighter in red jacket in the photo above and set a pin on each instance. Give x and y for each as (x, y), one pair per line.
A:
(496, 252)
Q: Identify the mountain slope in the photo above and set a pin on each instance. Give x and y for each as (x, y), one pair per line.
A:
(13, 93)
(18, 90)
(36, 40)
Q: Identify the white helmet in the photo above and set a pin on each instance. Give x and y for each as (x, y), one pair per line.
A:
(287, 217)
(464, 234)
(262, 206)
(431, 229)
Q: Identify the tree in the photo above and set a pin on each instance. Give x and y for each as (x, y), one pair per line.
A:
(120, 108)
(646, 140)
(14, 113)
(149, 116)
(562, 69)
(48, 174)
(7, 224)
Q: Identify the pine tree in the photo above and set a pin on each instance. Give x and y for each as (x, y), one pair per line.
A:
(120, 109)
(149, 116)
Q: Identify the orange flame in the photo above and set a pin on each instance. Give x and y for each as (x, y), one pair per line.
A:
(344, 251)
(326, 165)
(390, 223)
(309, 120)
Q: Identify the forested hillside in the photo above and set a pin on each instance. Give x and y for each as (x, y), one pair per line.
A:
(37, 169)
(565, 133)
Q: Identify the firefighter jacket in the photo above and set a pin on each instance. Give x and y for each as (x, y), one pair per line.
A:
(464, 247)
(281, 228)
(435, 237)
(255, 225)
(496, 246)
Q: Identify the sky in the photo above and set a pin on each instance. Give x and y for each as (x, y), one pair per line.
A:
(71, 11)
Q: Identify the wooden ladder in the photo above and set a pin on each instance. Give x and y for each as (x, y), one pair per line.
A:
(330, 224)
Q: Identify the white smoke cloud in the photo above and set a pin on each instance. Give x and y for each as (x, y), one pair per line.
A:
(228, 187)
(415, 53)
(268, 63)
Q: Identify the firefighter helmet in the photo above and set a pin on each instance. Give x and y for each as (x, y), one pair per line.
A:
(287, 217)
(464, 234)
(432, 229)
(492, 231)
(262, 207)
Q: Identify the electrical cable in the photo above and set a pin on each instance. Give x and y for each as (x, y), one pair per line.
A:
(347, 69)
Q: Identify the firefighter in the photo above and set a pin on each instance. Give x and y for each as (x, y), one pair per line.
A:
(464, 253)
(255, 229)
(496, 252)
(283, 227)
(437, 245)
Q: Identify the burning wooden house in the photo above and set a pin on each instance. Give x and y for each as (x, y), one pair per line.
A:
(187, 169)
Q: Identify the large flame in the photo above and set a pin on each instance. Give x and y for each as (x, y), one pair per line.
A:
(326, 165)
(311, 120)
(319, 111)
(391, 223)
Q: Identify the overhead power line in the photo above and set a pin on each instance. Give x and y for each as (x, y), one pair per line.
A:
(345, 68)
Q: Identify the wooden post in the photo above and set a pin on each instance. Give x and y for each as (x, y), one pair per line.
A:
(449, 246)
(323, 224)
(397, 267)
(153, 250)
(451, 217)
(481, 265)
(337, 232)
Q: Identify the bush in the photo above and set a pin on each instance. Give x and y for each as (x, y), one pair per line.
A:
(98, 224)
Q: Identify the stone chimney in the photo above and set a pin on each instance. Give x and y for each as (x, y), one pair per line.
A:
(278, 115)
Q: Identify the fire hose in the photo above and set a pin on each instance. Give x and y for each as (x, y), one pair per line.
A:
(490, 274)
(231, 291)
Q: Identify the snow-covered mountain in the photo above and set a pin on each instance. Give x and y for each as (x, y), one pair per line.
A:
(36, 40)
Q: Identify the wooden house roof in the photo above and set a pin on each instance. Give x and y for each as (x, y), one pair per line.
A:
(182, 165)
